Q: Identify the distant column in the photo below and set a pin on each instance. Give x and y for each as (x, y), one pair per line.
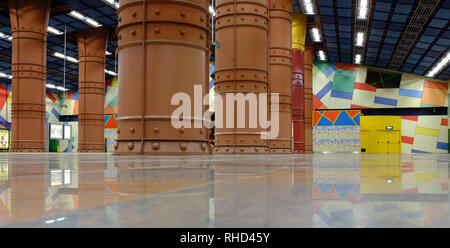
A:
(298, 101)
(280, 42)
(29, 21)
(309, 56)
(92, 45)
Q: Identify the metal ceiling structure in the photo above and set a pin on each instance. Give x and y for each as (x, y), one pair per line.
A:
(98, 10)
(404, 35)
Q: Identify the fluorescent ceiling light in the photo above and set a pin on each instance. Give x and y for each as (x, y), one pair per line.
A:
(5, 36)
(61, 56)
(50, 86)
(61, 88)
(110, 73)
(322, 55)
(309, 9)
(360, 39)
(363, 4)
(4, 75)
(85, 19)
(358, 59)
(439, 66)
(92, 22)
(54, 30)
(363, 13)
(77, 15)
(112, 3)
(211, 10)
(363, 9)
(108, 53)
(308, 6)
(316, 34)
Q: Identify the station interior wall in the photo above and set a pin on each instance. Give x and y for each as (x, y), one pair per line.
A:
(340, 91)
(58, 105)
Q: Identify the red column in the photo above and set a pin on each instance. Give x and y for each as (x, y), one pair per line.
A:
(29, 21)
(298, 102)
(91, 52)
(309, 56)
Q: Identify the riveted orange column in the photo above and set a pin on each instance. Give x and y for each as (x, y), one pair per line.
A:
(163, 50)
(280, 42)
(29, 21)
(91, 89)
(309, 56)
(298, 102)
(241, 68)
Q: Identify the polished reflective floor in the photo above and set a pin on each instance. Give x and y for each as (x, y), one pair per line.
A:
(320, 190)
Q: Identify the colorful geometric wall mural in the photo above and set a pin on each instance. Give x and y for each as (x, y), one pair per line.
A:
(66, 104)
(425, 134)
(111, 96)
(342, 86)
(336, 131)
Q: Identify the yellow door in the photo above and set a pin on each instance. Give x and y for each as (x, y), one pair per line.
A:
(380, 134)
(382, 142)
(394, 141)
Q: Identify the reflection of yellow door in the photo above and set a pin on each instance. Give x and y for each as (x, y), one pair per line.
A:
(380, 134)
(381, 176)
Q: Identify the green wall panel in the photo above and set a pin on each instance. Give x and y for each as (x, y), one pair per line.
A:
(344, 80)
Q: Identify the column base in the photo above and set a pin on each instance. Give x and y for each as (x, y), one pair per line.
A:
(299, 152)
(27, 150)
(280, 151)
(241, 150)
(157, 147)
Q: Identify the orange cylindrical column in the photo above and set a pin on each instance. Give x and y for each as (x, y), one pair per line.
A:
(29, 21)
(92, 45)
(280, 42)
(163, 52)
(309, 57)
(241, 70)
(298, 101)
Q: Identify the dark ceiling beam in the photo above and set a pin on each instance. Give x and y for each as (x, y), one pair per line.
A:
(59, 9)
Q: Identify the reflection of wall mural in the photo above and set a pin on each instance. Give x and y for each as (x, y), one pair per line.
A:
(336, 131)
(336, 203)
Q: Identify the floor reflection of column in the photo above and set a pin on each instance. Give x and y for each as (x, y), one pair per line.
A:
(28, 188)
(91, 192)
(162, 197)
